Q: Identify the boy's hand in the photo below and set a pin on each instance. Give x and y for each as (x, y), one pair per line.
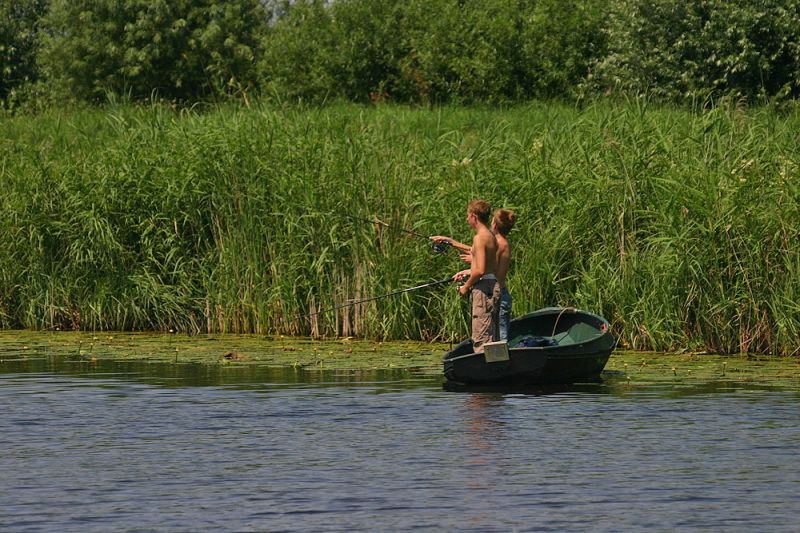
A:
(461, 277)
(439, 245)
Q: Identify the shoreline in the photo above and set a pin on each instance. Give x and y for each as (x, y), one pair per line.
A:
(356, 354)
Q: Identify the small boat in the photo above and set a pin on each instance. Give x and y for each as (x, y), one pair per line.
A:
(555, 345)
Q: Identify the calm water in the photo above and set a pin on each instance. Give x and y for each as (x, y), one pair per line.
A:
(138, 447)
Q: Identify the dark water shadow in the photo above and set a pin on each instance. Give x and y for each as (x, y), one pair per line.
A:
(595, 387)
(212, 375)
(615, 383)
(246, 376)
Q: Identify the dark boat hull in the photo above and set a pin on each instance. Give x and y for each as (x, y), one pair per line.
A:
(578, 358)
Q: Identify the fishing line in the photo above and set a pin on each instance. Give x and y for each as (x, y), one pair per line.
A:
(437, 247)
(371, 298)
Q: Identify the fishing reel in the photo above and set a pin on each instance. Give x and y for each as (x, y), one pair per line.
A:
(441, 247)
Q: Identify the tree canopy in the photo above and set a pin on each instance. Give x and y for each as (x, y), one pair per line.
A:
(415, 51)
(182, 49)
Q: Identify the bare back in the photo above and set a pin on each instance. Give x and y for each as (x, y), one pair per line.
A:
(503, 259)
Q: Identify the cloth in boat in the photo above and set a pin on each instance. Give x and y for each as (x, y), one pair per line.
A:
(533, 341)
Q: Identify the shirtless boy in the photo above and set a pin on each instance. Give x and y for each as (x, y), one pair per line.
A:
(502, 223)
(482, 281)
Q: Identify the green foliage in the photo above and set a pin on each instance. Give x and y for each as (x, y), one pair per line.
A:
(431, 51)
(681, 50)
(679, 227)
(416, 51)
(19, 27)
(182, 49)
(296, 52)
(559, 41)
(462, 50)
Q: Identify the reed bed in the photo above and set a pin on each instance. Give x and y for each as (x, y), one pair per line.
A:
(681, 228)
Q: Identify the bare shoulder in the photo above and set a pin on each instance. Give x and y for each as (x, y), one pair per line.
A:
(502, 244)
(504, 251)
(484, 238)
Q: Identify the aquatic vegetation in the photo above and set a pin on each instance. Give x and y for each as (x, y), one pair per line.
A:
(644, 368)
(624, 369)
(678, 227)
(227, 349)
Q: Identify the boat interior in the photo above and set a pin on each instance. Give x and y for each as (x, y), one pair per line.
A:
(577, 333)
(546, 328)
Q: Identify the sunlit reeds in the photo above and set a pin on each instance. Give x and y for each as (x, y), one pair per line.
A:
(681, 228)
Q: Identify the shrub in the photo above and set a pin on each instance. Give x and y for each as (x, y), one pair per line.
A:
(181, 49)
(19, 28)
(681, 50)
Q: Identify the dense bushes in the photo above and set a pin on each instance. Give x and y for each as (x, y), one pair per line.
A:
(681, 50)
(433, 50)
(176, 49)
(19, 29)
(416, 51)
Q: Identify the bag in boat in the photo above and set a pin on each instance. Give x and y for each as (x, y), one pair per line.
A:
(533, 341)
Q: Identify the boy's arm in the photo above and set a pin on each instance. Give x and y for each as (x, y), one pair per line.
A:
(478, 265)
(459, 245)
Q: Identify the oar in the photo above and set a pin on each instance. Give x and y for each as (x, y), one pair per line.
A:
(371, 298)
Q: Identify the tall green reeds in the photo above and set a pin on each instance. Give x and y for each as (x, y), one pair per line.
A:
(679, 227)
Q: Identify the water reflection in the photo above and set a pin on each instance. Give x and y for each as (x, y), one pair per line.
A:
(203, 375)
(482, 445)
(616, 384)
(256, 376)
(483, 430)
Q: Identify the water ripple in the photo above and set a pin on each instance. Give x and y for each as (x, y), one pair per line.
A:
(116, 451)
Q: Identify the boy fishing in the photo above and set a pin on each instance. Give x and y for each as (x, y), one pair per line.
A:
(502, 223)
(481, 282)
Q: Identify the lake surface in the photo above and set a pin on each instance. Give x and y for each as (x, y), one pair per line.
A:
(109, 446)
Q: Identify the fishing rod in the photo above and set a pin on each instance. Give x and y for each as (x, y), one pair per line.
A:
(438, 247)
(371, 298)
(384, 224)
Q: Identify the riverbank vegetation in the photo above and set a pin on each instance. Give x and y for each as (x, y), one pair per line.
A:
(191, 164)
(680, 227)
(403, 51)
